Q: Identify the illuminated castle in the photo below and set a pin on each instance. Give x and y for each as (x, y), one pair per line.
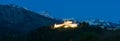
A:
(66, 24)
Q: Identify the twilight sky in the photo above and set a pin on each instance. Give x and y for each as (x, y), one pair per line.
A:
(108, 10)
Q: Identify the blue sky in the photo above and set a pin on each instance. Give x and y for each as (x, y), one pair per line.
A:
(108, 10)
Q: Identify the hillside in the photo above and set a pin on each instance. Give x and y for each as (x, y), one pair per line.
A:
(82, 33)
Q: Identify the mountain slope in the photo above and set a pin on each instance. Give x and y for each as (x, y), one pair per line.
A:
(20, 19)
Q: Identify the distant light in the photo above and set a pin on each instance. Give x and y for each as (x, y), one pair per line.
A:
(66, 24)
(58, 25)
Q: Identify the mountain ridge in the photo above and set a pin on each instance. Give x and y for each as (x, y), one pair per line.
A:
(20, 19)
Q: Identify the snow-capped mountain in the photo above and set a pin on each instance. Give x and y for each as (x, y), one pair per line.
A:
(20, 19)
(97, 22)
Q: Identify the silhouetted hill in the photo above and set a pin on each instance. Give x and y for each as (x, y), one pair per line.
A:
(84, 33)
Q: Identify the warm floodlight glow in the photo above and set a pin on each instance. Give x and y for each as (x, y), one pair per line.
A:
(66, 24)
(58, 25)
(73, 25)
